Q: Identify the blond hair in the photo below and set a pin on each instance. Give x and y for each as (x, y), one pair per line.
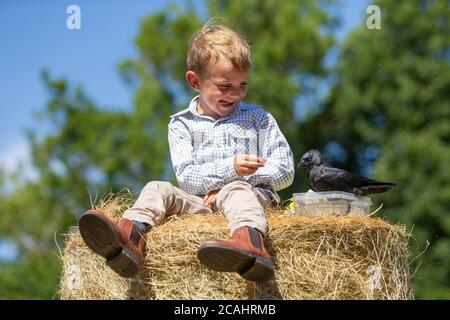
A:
(216, 41)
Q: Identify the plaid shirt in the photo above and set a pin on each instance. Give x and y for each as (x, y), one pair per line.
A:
(202, 149)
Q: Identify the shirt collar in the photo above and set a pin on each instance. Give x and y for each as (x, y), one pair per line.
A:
(193, 106)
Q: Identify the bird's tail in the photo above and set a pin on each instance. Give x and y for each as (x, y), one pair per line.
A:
(376, 187)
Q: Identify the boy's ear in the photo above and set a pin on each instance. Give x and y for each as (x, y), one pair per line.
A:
(193, 80)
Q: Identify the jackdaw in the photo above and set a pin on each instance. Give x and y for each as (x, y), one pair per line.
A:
(324, 178)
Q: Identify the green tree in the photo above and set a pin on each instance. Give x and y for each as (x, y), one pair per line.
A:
(389, 110)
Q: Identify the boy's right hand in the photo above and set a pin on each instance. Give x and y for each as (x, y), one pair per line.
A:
(247, 164)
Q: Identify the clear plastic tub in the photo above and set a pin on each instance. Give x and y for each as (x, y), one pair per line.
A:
(332, 203)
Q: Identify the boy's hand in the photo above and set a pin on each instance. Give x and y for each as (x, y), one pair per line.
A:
(247, 164)
(210, 199)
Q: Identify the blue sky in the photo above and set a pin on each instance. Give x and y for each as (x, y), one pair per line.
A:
(34, 37)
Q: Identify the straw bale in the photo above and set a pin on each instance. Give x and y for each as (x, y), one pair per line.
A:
(346, 257)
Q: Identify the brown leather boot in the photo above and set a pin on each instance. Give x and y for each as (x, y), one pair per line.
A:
(245, 254)
(122, 243)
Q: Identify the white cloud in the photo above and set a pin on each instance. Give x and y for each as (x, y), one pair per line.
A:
(17, 154)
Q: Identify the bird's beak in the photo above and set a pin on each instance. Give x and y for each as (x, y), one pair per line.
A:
(301, 164)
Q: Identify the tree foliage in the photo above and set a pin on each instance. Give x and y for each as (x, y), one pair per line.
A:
(390, 110)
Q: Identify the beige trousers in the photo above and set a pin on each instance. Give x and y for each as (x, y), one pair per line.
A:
(240, 203)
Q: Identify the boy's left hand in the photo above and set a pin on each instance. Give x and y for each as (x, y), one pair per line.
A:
(210, 199)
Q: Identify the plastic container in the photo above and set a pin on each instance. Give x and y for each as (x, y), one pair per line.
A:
(332, 203)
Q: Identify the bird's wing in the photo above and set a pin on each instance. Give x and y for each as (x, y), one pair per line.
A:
(334, 179)
(341, 178)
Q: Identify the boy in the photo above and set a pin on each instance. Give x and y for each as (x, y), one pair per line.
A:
(227, 155)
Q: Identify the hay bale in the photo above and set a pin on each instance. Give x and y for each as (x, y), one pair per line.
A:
(349, 257)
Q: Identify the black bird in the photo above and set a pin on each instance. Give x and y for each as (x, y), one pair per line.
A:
(324, 178)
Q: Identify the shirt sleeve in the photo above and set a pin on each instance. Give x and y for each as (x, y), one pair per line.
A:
(278, 171)
(194, 178)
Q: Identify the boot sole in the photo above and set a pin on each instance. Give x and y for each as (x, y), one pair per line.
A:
(100, 236)
(225, 259)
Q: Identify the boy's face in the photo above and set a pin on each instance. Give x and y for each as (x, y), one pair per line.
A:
(220, 89)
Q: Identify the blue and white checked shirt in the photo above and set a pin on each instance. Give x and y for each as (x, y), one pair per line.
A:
(202, 149)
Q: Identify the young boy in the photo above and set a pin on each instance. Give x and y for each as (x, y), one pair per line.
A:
(227, 155)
